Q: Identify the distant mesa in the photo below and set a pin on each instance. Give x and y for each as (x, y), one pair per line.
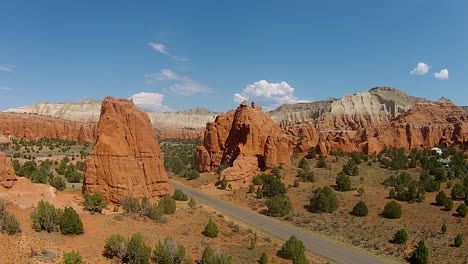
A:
(126, 159)
(245, 141)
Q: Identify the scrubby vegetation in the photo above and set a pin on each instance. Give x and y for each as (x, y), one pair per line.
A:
(392, 210)
(323, 200)
(279, 205)
(293, 249)
(179, 155)
(72, 257)
(94, 202)
(131, 250)
(211, 229)
(8, 221)
(48, 218)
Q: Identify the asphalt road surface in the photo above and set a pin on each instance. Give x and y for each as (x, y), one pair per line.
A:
(314, 243)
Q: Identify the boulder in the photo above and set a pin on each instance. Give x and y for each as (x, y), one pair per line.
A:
(7, 173)
(126, 160)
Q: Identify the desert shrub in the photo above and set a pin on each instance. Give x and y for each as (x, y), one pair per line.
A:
(279, 205)
(429, 183)
(258, 179)
(94, 202)
(211, 256)
(137, 251)
(72, 257)
(400, 237)
(420, 254)
(167, 205)
(223, 183)
(413, 193)
(448, 204)
(440, 198)
(458, 240)
(58, 183)
(392, 193)
(360, 209)
(131, 205)
(392, 210)
(311, 153)
(192, 203)
(322, 162)
(323, 200)
(343, 182)
(304, 165)
(292, 249)
(192, 174)
(272, 186)
(351, 168)
(180, 195)
(306, 176)
(168, 252)
(458, 192)
(116, 246)
(403, 179)
(211, 229)
(46, 217)
(8, 221)
(251, 188)
(259, 193)
(263, 259)
(462, 210)
(276, 171)
(70, 222)
(444, 228)
(74, 176)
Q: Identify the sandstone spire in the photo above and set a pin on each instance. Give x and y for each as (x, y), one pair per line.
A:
(7, 174)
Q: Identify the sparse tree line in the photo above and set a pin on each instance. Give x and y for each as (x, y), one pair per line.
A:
(179, 155)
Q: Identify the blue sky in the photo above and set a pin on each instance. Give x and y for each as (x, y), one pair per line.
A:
(176, 55)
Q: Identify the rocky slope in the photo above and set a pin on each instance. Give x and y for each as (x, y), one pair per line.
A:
(245, 140)
(26, 126)
(126, 160)
(7, 174)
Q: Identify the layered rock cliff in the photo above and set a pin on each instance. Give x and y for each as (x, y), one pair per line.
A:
(126, 160)
(245, 141)
(7, 173)
(27, 126)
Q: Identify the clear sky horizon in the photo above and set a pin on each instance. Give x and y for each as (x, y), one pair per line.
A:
(177, 55)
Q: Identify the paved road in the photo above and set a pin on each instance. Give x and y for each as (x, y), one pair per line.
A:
(313, 243)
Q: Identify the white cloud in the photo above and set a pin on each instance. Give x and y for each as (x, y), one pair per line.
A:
(421, 69)
(442, 75)
(4, 88)
(163, 49)
(6, 67)
(150, 101)
(184, 86)
(269, 95)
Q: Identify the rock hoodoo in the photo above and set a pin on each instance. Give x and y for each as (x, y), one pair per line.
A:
(245, 141)
(126, 159)
(7, 173)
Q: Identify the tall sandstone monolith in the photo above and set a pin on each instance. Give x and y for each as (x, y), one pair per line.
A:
(7, 173)
(245, 141)
(126, 160)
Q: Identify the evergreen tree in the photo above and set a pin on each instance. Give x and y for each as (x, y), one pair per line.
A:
(70, 222)
(420, 254)
(211, 229)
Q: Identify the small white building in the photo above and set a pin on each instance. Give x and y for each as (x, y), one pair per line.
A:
(438, 150)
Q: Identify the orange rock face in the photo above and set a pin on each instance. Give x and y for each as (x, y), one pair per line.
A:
(7, 173)
(28, 127)
(245, 141)
(181, 133)
(425, 125)
(126, 160)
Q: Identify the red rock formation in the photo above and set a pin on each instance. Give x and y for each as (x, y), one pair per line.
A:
(181, 133)
(126, 159)
(7, 173)
(425, 125)
(246, 141)
(28, 127)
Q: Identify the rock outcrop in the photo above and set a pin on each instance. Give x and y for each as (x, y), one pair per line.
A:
(126, 159)
(28, 127)
(7, 173)
(245, 141)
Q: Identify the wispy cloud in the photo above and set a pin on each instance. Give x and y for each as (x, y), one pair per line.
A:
(421, 69)
(6, 67)
(442, 75)
(184, 85)
(163, 49)
(4, 88)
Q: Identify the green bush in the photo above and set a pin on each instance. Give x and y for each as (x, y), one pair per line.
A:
(72, 257)
(311, 153)
(272, 186)
(400, 237)
(351, 168)
(293, 249)
(192, 174)
(210, 256)
(137, 251)
(58, 183)
(458, 192)
(180, 195)
(360, 209)
(403, 179)
(448, 204)
(306, 176)
(211, 229)
(168, 252)
(322, 162)
(46, 217)
(444, 228)
(440, 198)
(304, 165)
(258, 179)
(131, 205)
(70, 222)
(276, 171)
(94, 202)
(116, 246)
(223, 183)
(251, 188)
(343, 182)
(259, 193)
(263, 259)
(279, 205)
(296, 183)
(420, 254)
(458, 241)
(462, 210)
(392, 210)
(8, 221)
(167, 205)
(323, 200)
(192, 203)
